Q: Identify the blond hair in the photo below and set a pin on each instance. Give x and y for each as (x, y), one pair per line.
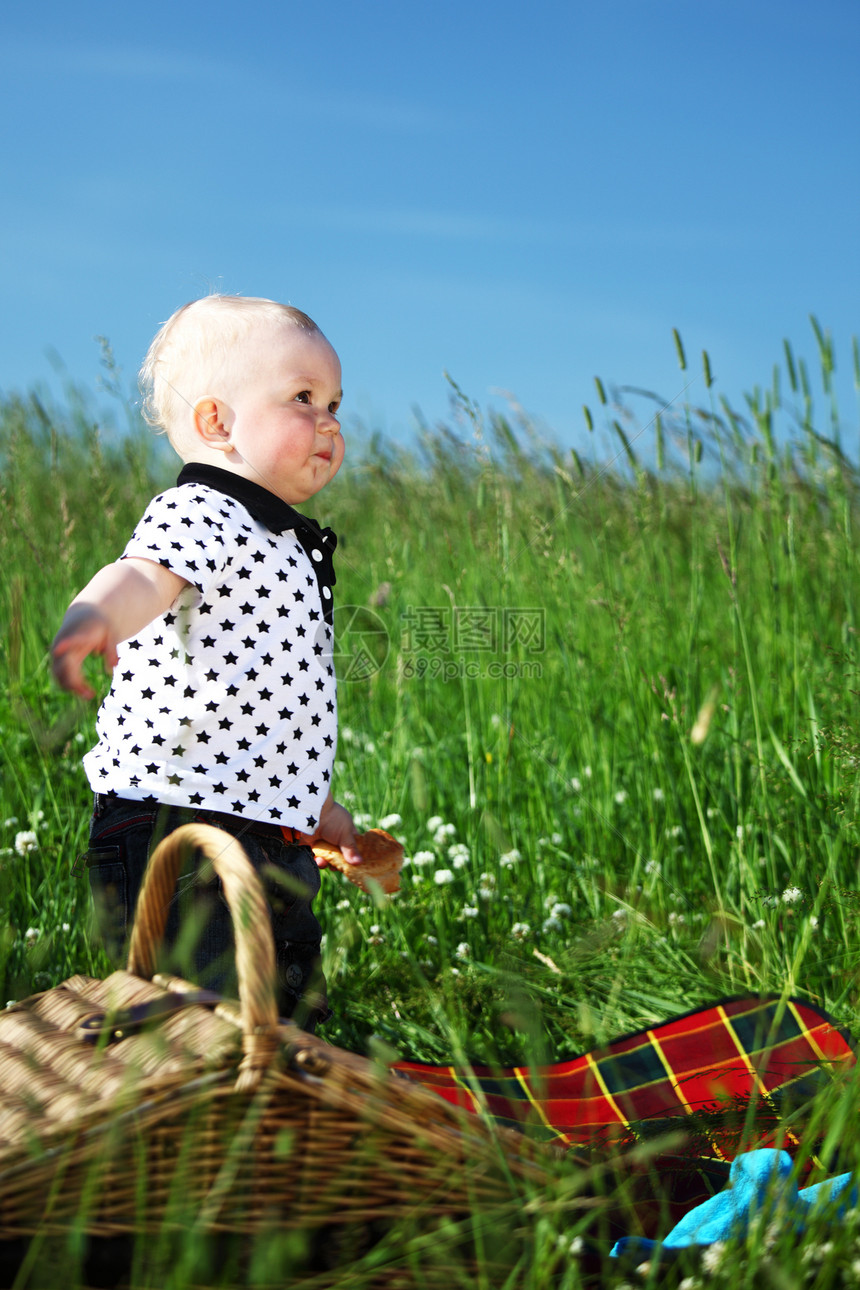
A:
(197, 352)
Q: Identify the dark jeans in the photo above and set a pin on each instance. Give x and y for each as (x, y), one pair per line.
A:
(199, 932)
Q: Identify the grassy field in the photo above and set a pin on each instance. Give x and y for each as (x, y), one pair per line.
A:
(609, 701)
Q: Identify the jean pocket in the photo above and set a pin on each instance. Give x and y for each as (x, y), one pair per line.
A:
(109, 887)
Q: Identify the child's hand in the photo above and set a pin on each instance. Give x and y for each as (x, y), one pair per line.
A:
(85, 630)
(337, 827)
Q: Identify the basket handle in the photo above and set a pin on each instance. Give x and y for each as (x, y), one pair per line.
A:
(252, 932)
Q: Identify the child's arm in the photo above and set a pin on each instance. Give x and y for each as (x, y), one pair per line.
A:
(338, 827)
(117, 603)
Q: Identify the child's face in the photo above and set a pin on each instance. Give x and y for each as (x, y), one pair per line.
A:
(284, 432)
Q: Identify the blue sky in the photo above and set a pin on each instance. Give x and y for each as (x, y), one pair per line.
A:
(523, 195)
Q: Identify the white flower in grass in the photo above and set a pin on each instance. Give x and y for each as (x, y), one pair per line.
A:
(362, 820)
(443, 876)
(433, 823)
(520, 931)
(813, 922)
(510, 858)
(620, 915)
(347, 735)
(392, 821)
(422, 858)
(759, 924)
(557, 840)
(80, 737)
(375, 937)
(657, 794)
(11, 822)
(343, 904)
(462, 951)
(675, 831)
(652, 867)
(487, 886)
(32, 934)
(455, 971)
(65, 927)
(459, 855)
(561, 910)
(443, 833)
(469, 911)
(621, 797)
(26, 842)
(586, 770)
(551, 925)
(39, 817)
(676, 919)
(369, 746)
(792, 895)
(576, 784)
(432, 940)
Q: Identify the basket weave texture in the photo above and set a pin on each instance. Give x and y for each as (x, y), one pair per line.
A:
(141, 1102)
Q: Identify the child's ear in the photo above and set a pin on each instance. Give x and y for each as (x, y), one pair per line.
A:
(212, 421)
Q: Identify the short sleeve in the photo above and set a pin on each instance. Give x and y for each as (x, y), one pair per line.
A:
(183, 530)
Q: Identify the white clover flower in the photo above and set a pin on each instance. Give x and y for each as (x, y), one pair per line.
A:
(520, 931)
(711, 812)
(80, 737)
(510, 858)
(657, 794)
(621, 797)
(422, 858)
(561, 910)
(433, 823)
(792, 895)
(26, 842)
(469, 911)
(32, 934)
(342, 904)
(65, 927)
(11, 822)
(392, 821)
(487, 886)
(576, 784)
(455, 971)
(462, 951)
(551, 925)
(347, 735)
(459, 855)
(39, 817)
(557, 840)
(653, 867)
(586, 770)
(675, 919)
(495, 720)
(443, 876)
(347, 796)
(362, 820)
(324, 940)
(674, 831)
(759, 924)
(432, 940)
(370, 747)
(813, 922)
(620, 915)
(443, 833)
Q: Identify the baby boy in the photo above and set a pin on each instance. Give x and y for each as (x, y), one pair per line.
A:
(216, 623)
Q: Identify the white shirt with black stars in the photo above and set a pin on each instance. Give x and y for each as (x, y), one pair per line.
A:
(228, 701)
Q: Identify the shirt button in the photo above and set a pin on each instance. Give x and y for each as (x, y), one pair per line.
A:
(326, 593)
(317, 555)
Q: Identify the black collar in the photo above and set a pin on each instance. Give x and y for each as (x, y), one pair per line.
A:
(278, 516)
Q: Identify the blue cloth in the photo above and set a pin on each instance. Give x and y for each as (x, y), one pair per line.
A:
(758, 1180)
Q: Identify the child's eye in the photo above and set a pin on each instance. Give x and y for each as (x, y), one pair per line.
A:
(333, 406)
(304, 397)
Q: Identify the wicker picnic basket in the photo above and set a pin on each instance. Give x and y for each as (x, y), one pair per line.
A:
(139, 1102)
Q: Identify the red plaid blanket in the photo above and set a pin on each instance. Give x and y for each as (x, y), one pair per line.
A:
(708, 1066)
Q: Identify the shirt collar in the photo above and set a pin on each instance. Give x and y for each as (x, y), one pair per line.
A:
(277, 515)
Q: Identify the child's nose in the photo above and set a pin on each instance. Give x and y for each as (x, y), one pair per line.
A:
(328, 423)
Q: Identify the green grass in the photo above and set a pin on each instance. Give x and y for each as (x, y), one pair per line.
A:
(668, 745)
